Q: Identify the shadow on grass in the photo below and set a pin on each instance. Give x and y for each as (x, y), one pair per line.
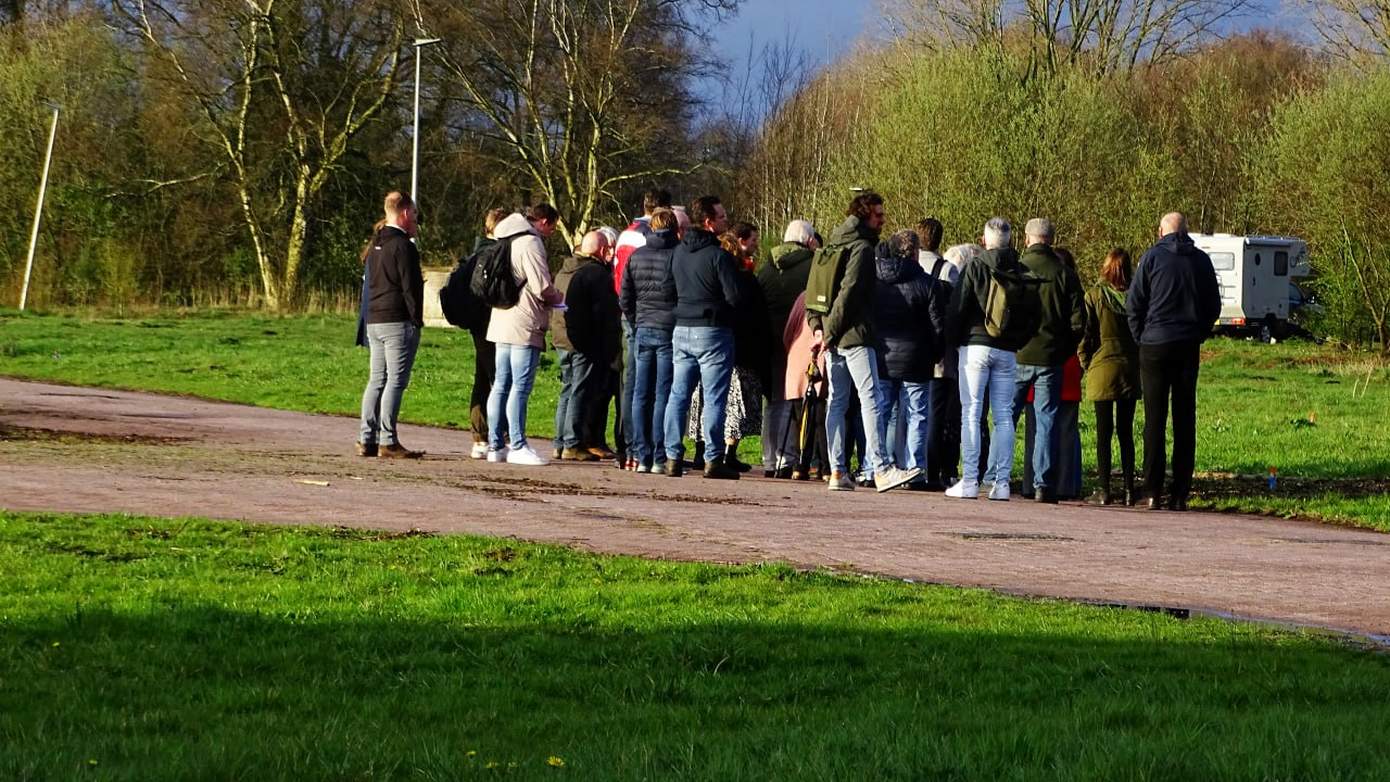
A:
(184, 691)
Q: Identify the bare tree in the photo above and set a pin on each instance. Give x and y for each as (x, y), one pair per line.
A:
(281, 90)
(1352, 29)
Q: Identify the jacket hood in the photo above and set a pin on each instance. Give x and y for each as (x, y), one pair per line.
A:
(851, 230)
(1178, 243)
(573, 262)
(514, 223)
(895, 270)
(698, 239)
(790, 255)
(1112, 298)
(662, 240)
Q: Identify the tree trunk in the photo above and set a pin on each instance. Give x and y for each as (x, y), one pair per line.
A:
(298, 238)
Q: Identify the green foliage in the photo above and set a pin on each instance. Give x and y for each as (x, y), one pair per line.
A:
(154, 649)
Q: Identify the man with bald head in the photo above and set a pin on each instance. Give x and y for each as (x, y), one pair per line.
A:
(1173, 302)
(587, 337)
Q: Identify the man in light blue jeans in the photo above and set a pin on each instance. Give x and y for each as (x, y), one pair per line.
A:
(705, 355)
(393, 347)
(986, 371)
(854, 371)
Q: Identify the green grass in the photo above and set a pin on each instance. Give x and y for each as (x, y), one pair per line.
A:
(148, 649)
(1304, 409)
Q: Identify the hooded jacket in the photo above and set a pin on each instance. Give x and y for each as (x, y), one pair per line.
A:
(909, 315)
(525, 322)
(648, 287)
(1108, 351)
(589, 324)
(706, 281)
(847, 324)
(1174, 296)
(754, 343)
(1063, 310)
(972, 291)
(783, 279)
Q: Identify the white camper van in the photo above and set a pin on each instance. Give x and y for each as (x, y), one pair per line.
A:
(1255, 273)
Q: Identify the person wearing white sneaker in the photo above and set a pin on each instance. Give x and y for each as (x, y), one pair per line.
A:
(497, 456)
(999, 492)
(479, 450)
(526, 456)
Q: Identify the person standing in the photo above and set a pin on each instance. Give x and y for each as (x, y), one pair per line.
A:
(392, 315)
(629, 241)
(847, 332)
(586, 335)
(484, 352)
(519, 333)
(943, 420)
(649, 302)
(1110, 357)
(1172, 304)
(783, 279)
(702, 342)
(1040, 360)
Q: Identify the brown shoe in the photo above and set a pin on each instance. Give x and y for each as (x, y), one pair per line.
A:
(398, 451)
(576, 455)
(601, 452)
(366, 449)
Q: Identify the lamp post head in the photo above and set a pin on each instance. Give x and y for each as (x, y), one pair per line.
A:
(419, 42)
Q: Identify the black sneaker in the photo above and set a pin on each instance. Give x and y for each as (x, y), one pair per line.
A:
(718, 470)
(674, 468)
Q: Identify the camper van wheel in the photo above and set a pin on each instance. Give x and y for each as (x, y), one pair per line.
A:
(1271, 330)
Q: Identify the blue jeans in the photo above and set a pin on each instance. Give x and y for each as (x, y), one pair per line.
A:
(854, 371)
(986, 372)
(705, 355)
(393, 347)
(627, 438)
(1046, 383)
(906, 406)
(578, 375)
(511, 390)
(650, 392)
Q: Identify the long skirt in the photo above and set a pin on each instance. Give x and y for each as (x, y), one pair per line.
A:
(743, 409)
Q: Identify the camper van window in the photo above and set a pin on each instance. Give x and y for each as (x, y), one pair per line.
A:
(1257, 259)
(1223, 262)
(1281, 264)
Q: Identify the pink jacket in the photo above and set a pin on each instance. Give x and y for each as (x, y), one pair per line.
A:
(799, 338)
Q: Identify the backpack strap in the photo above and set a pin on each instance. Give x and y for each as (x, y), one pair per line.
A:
(936, 267)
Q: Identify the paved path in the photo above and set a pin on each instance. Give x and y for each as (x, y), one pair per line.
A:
(78, 449)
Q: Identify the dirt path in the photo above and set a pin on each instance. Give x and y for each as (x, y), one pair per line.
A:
(76, 449)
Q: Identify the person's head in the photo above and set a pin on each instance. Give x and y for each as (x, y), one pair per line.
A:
(998, 233)
(709, 214)
(929, 232)
(1172, 223)
(729, 241)
(961, 254)
(799, 232)
(1064, 255)
(1116, 270)
(543, 217)
(1039, 230)
(819, 240)
(868, 207)
(682, 220)
(904, 245)
(664, 219)
(655, 199)
(400, 211)
(611, 234)
(494, 216)
(594, 244)
(747, 234)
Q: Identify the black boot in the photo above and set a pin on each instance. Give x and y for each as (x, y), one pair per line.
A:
(1130, 496)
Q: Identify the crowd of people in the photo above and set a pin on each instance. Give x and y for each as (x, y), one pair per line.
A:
(913, 363)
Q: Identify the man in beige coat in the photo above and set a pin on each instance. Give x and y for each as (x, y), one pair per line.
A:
(519, 333)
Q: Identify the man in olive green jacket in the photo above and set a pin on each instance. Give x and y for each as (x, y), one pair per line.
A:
(1040, 361)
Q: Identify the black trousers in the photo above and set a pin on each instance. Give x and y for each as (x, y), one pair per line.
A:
(1109, 416)
(484, 372)
(943, 431)
(1169, 371)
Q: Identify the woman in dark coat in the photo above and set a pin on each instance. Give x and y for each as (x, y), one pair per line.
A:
(1110, 357)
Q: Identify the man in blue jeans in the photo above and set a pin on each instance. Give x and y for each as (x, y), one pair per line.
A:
(702, 343)
(848, 332)
(392, 315)
(1040, 360)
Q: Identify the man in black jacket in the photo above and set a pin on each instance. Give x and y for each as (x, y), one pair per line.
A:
(649, 302)
(394, 315)
(702, 341)
(1172, 304)
(587, 338)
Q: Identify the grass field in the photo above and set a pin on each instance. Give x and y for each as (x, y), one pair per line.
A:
(1314, 413)
(152, 649)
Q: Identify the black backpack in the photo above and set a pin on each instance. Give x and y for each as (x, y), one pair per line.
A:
(462, 308)
(492, 281)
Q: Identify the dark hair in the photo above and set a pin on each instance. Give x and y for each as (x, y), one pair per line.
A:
(929, 232)
(863, 204)
(1064, 255)
(702, 209)
(743, 230)
(654, 199)
(820, 240)
(542, 211)
(1115, 270)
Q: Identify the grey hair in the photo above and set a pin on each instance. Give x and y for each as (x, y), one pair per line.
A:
(961, 254)
(800, 232)
(903, 245)
(998, 233)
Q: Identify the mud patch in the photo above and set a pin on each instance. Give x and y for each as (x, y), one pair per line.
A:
(376, 535)
(11, 433)
(1331, 542)
(1023, 536)
(531, 489)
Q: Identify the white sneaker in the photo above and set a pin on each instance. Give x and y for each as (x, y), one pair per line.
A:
(479, 451)
(964, 491)
(999, 491)
(497, 457)
(527, 456)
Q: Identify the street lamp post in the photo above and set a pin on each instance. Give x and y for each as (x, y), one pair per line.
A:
(38, 211)
(419, 44)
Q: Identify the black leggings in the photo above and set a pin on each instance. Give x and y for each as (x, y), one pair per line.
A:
(1106, 431)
